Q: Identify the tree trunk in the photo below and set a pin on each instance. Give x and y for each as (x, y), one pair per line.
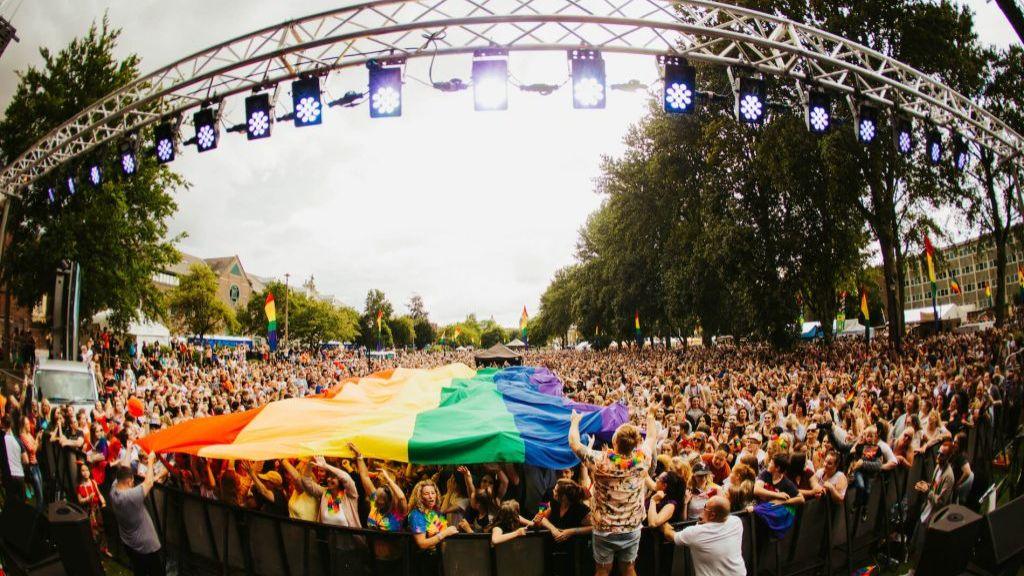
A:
(892, 295)
(999, 235)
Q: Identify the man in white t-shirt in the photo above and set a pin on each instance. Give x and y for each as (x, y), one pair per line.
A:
(716, 544)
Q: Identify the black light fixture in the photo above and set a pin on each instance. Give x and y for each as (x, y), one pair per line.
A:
(307, 107)
(385, 88)
(127, 159)
(867, 124)
(903, 135)
(207, 132)
(934, 147)
(819, 112)
(750, 101)
(95, 175)
(588, 79)
(680, 90)
(258, 117)
(961, 152)
(490, 79)
(164, 143)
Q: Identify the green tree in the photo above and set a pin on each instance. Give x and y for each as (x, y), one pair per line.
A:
(426, 333)
(417, 310)
(314, 321)
(194, 305)
(491, 333)
(376, 302)
(117, 233)
(403, 331)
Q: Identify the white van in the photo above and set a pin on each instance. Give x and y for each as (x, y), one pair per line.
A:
(63, 382)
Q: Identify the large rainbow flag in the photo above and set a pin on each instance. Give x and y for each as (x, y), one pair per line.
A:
(448, 415)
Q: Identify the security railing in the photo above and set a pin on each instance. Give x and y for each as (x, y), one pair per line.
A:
(203, 536)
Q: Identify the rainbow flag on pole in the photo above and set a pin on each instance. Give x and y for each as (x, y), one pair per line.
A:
(271, 310)
(448, 415)
(524, 320)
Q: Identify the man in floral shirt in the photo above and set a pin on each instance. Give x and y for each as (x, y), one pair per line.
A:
(619, 475)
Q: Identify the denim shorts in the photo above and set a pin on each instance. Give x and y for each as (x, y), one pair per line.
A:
(620, 547)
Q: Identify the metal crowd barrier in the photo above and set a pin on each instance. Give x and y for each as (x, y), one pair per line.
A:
(202, 536)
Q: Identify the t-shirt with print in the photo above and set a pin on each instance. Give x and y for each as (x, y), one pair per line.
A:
(618, 489)
(430, 522)
(390, 521)
(785, 485)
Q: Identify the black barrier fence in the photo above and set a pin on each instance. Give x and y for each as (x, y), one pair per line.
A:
(202, 536)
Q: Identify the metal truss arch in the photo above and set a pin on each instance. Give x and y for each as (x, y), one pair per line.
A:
(702, 31)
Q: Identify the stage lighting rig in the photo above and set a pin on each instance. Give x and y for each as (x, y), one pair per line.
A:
(679, 94)
(385, 87)
(259, 118)
(818, 116)
(307, 107)
(903, 135)
(51, 196)
(867, 124)
(934, 144)
(751, 105)
(164, 145)
(95, 175)
(588, 79)
(127, 159)
(961, 152)
(207, 129)
(490, 79)
(72, 185)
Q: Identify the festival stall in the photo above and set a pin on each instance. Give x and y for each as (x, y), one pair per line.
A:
(498, 355)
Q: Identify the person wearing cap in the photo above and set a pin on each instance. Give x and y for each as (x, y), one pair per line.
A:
(752, 445)
(715, 543)
(701, 489)
(268, 490)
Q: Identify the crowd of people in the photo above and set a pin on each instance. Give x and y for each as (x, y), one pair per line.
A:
(714, 430)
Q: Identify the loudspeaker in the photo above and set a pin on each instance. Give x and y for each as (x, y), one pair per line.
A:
(21, 528)
(69, 530)
(951, 536)
(1002, 534)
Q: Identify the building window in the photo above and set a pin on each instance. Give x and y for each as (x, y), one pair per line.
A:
(234, 293)
(235, 270)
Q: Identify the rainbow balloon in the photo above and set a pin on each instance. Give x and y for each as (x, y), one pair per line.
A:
(448, 415)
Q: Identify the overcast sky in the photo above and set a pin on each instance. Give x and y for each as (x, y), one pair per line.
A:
(473, 211)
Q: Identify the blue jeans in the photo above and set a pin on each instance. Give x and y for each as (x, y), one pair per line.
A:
(35, 477)
(863, 485)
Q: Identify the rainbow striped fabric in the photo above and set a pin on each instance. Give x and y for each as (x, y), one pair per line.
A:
(448, 415)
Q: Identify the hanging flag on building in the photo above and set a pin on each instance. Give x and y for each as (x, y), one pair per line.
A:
(271, 310)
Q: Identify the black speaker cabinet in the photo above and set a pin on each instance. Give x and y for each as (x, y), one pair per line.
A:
(22, 529)
(69, 530)
(949, 541)
(1002, 535)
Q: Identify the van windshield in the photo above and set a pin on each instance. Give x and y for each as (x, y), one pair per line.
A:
(66, 386)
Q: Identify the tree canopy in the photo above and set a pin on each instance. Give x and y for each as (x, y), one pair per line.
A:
(117, 232)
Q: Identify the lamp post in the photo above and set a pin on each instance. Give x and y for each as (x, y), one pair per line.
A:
(286, 277)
